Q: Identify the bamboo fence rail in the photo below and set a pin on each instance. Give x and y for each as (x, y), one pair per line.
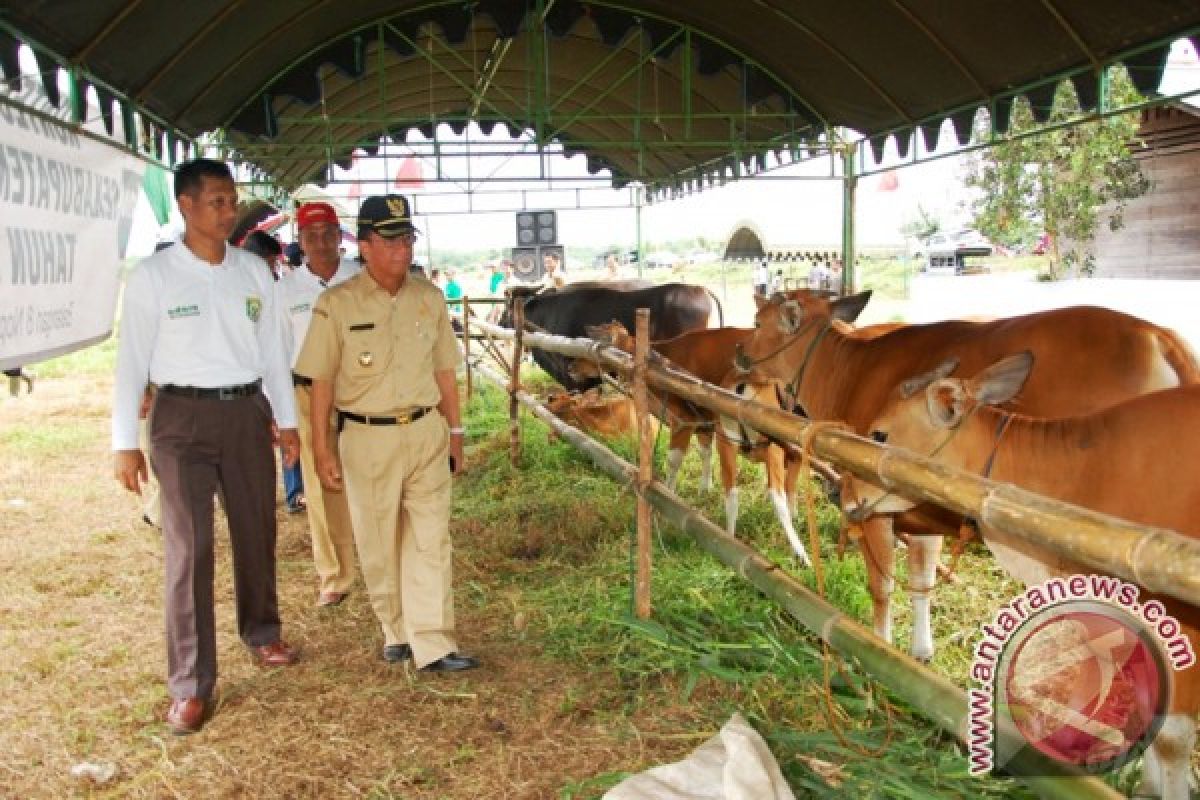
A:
(1157, 559)
(933, 696)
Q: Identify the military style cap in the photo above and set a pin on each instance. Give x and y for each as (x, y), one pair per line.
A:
(387, 215)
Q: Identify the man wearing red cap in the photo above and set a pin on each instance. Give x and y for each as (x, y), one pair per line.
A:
(328, 514)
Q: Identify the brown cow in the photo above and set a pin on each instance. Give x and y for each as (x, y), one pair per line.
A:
(1088, 359)
(607, 416)
(1137, 460)
(708, 355)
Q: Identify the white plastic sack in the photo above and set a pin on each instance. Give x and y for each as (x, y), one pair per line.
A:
(733, 765)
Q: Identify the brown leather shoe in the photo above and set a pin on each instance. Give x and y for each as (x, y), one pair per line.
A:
(275, 654)
(186, 715)
(327, 599)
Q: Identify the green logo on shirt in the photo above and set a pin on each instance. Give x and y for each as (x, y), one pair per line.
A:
(179, 312)
(253, 308)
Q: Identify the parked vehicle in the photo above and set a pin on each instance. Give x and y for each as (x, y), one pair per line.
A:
(948, 252)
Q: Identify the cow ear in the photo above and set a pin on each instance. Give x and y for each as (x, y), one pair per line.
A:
(916, 384)
(790, 314)
(847, 309)
(1000, 382)
(601, 333)
(947, 403)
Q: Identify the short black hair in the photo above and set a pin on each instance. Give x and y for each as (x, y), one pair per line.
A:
(189, 177)
(263, 245)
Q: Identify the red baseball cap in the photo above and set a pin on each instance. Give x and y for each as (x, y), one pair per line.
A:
(309, 213)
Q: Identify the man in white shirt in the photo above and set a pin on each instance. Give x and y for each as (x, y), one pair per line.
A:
(201, 322)
(762, 278)
(328, 514)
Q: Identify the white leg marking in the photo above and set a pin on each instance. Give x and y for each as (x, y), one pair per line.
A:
(731, 511)
(784, 513)
(674, 461)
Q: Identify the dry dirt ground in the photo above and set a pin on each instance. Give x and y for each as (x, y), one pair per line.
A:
(82, 661)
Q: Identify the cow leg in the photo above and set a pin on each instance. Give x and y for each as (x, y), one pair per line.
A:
(680, 438)
(879, 552)
(924, 553)
(727, 456)
(1167, 770)
(704, 448)
(779, 486)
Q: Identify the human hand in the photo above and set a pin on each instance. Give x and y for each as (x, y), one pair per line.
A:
(458, 460)
(130, 470)
(289, 444)
(329, 471)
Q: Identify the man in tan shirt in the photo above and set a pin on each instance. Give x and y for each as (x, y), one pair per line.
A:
(380, 350)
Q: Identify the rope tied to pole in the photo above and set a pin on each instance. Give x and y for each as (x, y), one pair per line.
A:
(830, 660)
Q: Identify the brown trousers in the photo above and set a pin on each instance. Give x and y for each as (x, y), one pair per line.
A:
(196, 446)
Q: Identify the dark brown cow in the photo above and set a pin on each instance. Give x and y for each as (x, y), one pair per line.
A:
(675, 308)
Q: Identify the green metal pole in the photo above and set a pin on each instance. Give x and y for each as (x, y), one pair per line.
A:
(637, 212)
(849, 183)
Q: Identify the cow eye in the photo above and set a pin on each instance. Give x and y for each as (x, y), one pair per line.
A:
(879, 436)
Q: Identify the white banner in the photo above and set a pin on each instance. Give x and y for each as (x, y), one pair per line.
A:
(66, 209)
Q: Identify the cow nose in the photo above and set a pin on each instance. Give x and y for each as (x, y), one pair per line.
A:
(741, 361)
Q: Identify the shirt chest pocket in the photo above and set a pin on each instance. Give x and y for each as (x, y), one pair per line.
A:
(368, 350)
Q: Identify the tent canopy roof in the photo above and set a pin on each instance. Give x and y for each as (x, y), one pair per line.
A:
(655, 90)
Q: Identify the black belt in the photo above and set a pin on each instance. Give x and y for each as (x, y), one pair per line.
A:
(300, 380)
(362, 419)
(217, 393)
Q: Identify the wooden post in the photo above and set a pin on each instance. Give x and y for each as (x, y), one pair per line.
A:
(466, 329)
(645, 463)
(514, 407)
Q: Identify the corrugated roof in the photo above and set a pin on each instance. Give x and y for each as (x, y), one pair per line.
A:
(297, 83)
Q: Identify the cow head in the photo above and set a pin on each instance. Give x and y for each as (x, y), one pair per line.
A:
(785, 321)
(927, 414)
(613, 334)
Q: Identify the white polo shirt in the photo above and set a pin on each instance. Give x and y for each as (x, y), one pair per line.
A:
(190, 323)
(298, 292)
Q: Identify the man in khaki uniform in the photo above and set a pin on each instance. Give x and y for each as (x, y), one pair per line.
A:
(380, 350)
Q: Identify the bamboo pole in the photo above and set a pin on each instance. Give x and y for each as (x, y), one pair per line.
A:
(936, 698)
(466, 337)
(1157, 559)
(645, 463)
(514, 408)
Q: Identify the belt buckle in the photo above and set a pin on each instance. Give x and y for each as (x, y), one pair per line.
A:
(405, 418)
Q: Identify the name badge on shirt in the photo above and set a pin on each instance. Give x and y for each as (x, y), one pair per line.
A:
(185, 310)
(365, 358)
(253, 307)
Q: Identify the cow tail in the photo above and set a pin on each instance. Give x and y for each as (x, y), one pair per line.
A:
(720, 310)
(1179, 356)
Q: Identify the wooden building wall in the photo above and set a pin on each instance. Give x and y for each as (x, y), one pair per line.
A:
(1161, 235)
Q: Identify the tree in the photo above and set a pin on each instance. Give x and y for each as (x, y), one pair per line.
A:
(922, 226)
(1059, 181)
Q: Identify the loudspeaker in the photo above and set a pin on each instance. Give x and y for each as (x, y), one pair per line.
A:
(528, 263)
(536, 228)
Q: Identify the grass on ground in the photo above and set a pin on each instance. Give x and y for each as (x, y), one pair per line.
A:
(574, 693)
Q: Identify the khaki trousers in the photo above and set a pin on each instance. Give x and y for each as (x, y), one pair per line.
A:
(328, 512)
(398, 483)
